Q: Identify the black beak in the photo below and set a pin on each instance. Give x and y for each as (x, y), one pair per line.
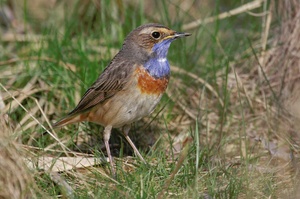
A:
(181, 34)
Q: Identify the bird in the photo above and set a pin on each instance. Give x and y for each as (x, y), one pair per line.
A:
(131, 85)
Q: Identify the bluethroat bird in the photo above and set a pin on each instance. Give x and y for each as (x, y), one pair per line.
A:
(131, 85)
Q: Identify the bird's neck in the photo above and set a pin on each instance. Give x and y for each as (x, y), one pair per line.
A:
(158, 65)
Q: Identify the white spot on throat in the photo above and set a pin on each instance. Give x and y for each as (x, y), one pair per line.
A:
(162, 60)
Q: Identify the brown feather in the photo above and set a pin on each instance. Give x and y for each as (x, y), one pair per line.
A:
(70, 120)
(112, 80)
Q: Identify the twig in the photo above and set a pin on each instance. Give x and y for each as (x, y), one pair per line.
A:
(13, 37)
(2, 104)
(66, 188)
(246, 7)
(14, 60)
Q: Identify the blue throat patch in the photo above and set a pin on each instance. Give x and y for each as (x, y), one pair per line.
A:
(158, 65)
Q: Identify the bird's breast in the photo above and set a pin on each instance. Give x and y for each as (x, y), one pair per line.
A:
(148, 84)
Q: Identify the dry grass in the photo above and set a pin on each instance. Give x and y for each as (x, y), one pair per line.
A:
(16, 181)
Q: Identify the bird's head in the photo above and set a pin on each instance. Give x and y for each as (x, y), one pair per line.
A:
(152, 40)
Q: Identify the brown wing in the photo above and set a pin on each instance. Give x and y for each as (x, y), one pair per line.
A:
(112, 80)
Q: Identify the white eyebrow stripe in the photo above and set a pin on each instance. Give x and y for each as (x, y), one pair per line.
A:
(151, 29)
(146, 30)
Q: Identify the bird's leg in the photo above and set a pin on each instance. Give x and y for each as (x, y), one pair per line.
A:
(107, 132)
(126, 129)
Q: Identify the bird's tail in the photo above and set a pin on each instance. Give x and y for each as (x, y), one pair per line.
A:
(70, 119)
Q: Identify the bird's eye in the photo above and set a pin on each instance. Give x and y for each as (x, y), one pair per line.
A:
(155, 35)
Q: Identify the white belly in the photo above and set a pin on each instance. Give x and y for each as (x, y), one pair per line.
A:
(124, 108)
